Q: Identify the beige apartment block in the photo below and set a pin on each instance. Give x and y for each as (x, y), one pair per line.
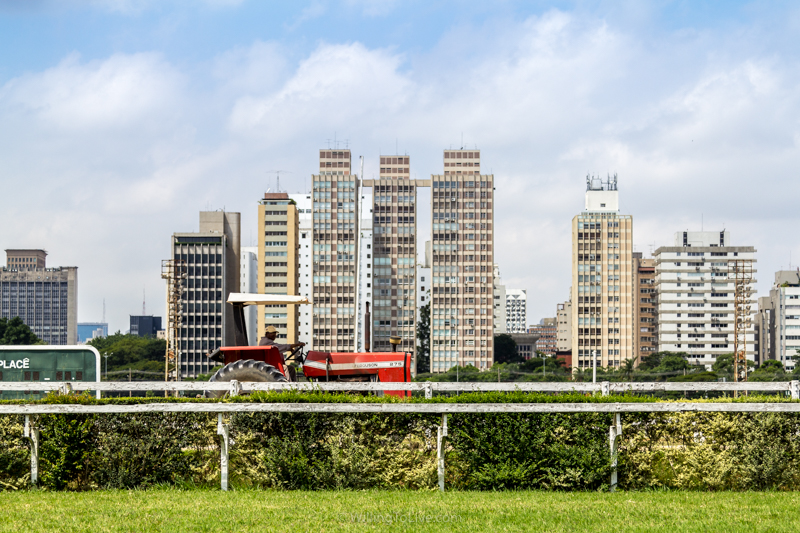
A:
(278, 263)
(26, 259)
(645, 301)
(564, 326)
(462, 296)
(602, 279)
(335, 252)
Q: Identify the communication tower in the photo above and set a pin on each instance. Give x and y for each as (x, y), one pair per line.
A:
(740, 271)
(174, 271)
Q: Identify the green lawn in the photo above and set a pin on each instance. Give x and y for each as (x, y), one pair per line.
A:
(252, 510)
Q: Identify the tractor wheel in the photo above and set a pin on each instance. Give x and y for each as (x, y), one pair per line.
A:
(244, 370)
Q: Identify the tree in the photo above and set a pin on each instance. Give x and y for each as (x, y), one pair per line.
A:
(424, 339)
(132, 352)
(628, 368)
(16, 332)
(505, 349)
(769, 370)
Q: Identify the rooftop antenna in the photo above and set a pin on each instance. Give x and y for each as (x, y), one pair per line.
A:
(278, 177)
(144, 308)
(462, 140)
(104, 310)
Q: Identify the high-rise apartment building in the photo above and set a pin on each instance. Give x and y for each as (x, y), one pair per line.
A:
(499, 292)
(278, 267)
(602, 307)
(516, 310)
(644, 306)
(335, 250)
(394, 260)
(305, 271)
(779, 331)
(462, 309)
(46, 299)
(248, 283)
(696, 296)
(211, 257)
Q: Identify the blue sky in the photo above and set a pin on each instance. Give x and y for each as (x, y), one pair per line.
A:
(121, 119)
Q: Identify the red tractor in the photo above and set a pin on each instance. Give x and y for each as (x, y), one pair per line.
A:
(267, 363)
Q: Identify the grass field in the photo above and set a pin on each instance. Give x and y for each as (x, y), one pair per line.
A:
(253, 510)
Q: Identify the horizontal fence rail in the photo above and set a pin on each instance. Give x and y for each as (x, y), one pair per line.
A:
(604, 387)
(432, 408)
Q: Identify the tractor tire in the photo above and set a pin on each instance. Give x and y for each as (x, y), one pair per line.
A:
(244, 370)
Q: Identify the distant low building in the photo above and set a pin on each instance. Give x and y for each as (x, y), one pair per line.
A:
(526, 344)
(91, 330)
(145, 325)
(547, 331)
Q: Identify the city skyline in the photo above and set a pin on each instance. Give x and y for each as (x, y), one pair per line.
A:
(690, 106)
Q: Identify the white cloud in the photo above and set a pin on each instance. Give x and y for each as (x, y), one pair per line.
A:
(128, 149)
(117, 92)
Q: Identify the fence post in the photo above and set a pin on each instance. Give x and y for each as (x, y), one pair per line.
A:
(440, 434)
(32, 432)
(236, 388)
(794, 386)
(65, 388)
(613, 434)
(605, 388)
(428, 390)
(223, 430)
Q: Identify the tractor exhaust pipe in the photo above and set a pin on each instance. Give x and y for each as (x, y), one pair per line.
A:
(395, 341)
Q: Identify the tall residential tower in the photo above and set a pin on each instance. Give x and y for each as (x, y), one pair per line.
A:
(462, 308)
(602, 307)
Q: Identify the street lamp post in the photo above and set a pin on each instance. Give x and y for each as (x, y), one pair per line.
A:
(106, 354)
(594, 366)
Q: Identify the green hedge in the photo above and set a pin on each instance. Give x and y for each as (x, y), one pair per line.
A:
(697, 451)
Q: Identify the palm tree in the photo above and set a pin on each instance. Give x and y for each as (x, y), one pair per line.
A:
(627, 369)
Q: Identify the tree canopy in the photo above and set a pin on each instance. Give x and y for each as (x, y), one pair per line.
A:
(131, 352)
(424, 339)
(16, 332)
(505, 349)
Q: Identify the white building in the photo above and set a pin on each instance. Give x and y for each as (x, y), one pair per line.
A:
(248, 274)
(499, 303)
(783, 324)
(516, 310)
(424, 278)
(306, 323)
(696, 303)
(365, 261)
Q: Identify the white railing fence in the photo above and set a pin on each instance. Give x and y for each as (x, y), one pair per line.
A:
(234, 388)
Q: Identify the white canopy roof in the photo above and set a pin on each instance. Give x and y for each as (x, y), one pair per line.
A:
(265, 299)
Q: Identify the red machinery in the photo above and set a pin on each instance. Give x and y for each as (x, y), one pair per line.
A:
(267, 363)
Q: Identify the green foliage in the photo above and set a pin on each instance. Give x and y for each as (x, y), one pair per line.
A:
(505, 349)
(14, 454)
(16, 332)
(131, 352)
(711, 451)
(424, 339)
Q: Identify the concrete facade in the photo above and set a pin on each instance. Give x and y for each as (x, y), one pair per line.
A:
(564, 327)
(500, 301)
(645, 311)
(696, 303)
(46, 299)
(212, 259)
(462, 299)
(305, 268)
(335, 192)
(248, 283)
(516, 310)
(278, 264)
(778, 320)
(602, 279)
